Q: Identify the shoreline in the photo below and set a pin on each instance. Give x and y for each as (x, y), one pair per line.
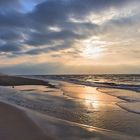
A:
(6, 80)
(128, 102)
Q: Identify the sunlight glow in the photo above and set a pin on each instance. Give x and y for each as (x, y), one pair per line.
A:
(93, 47)
(92, 52)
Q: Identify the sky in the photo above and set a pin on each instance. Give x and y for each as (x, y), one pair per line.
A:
(70, 36)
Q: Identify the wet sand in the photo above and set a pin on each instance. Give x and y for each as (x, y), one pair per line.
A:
(15, 125)
(84, 105)
(70, 112)
(104, 109)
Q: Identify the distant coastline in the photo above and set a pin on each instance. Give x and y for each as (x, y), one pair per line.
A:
(6, 80)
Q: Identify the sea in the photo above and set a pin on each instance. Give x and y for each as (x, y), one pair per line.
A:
(122, 81)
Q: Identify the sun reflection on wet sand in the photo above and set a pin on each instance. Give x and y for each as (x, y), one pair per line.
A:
(91, 103)
(90, 96)
(95, 104)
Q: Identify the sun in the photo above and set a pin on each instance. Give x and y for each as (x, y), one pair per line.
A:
(93, 47)
(91, 51)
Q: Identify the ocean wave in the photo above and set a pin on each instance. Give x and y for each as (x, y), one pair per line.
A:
(131, 82)
(106, 85)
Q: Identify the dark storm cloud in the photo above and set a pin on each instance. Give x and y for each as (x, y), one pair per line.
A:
(13, 19)
(7, 5)
(57, 11)
(8, 2)
(63, 46)
(9, 47)
(46, 38)
(32, 28)
(10, 34)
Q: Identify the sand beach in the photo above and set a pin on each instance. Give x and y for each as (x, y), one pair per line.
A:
(35, 110)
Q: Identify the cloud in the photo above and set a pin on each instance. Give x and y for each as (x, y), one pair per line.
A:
(32, 28)
(8, 4)
(10, 34)
(5, 2)
(42, 68)
(10, 47)
(12, 19)
(53, 12)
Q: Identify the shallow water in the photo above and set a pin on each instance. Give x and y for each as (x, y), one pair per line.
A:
(130, 100)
